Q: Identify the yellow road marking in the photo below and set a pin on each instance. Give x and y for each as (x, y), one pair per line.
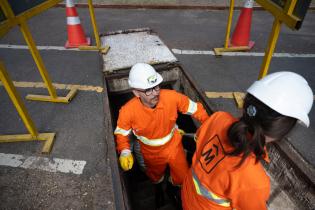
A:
(57, 86)
(239, 99)
(226, 94)
(223, 94)
(237, 96)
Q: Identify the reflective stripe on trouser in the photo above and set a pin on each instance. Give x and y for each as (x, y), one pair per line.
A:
(156, 142)
(201, 190)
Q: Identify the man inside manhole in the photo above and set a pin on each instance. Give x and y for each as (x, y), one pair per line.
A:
(151, 116)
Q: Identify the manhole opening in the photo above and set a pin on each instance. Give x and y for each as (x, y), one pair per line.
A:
(139, 189)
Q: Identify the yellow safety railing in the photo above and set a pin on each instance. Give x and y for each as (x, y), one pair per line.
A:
(288, 9)
(21, 20)
(98, 46)
(29, 124)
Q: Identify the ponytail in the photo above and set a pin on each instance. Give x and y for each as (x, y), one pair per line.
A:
(247, 135)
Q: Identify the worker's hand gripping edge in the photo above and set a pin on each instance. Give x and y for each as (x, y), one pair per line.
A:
(181, 131)
(191, 135)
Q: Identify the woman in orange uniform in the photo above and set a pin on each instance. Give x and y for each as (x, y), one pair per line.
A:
(226, 172)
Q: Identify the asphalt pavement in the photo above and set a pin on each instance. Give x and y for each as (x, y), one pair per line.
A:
(183, 4)
(79, 125)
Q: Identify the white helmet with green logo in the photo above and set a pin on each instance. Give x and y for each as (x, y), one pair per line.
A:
(287, 93)
(143, 76)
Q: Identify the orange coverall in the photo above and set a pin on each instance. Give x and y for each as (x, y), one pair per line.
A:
(156, 131)
(213, 182)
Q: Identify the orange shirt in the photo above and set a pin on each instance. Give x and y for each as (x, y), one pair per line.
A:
(154, 123)
(246, 187)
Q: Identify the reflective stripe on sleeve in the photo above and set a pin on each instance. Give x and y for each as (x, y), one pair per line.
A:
(156, 142)
(192, 108)
(201, 190)
(121, 131)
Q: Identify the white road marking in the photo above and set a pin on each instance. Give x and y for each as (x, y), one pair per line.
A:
(25, 47)
(192, 52)
(177, 51)
(42, 163)
(254, 54)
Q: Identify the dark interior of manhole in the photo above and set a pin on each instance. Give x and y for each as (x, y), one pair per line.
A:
(139, 189)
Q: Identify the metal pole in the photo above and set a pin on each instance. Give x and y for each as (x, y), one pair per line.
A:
(95, 29)
(289, 7)
(16, 99)
(270, 48)
(228, 26)
(38, 59)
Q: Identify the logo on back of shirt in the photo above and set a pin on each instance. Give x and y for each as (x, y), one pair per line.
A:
(211, 154)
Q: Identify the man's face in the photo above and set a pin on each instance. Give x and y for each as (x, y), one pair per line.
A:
(149, 97)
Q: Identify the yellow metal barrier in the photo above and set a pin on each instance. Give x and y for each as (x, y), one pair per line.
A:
(270, 48)
(21, 21)
(227, 48)
(98, 46)
(12, 20)
(273, 38)
(43, 72)
(17, 102)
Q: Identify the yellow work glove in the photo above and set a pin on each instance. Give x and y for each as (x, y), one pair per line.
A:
(126, 159)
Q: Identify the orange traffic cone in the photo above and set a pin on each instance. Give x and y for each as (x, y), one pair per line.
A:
(241, 33)
(76, 36)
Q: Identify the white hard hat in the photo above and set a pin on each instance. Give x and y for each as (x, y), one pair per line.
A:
(143, 76)
(287, 93)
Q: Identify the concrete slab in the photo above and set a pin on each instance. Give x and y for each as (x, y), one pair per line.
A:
(134, 46)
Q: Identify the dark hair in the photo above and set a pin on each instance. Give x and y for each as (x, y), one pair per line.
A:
(248, 133)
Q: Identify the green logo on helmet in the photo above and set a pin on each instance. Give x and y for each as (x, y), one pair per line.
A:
(152, 79)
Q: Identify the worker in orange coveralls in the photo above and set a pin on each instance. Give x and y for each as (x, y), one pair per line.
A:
(226, 172)
(151, 116)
